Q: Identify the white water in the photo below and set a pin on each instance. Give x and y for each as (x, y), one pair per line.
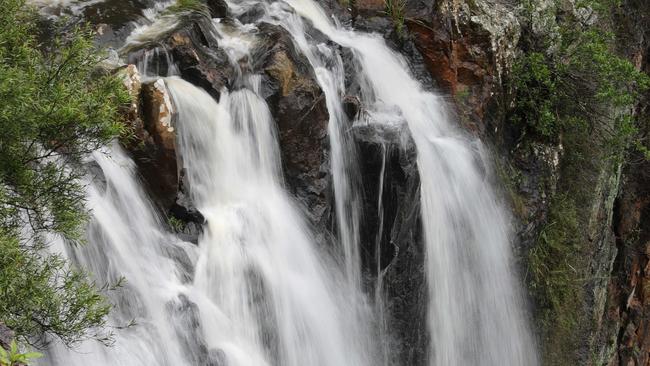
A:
(476, 313)
(126, 239)
(257, 291)
(258, 261)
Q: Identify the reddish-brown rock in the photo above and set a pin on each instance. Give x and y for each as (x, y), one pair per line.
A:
(154, 143)
(461, 64)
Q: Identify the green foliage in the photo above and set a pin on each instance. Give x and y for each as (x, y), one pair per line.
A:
(42, 294)
(576, 78)
(55, 107)
(396, 9)
(570, 86)
(15, 357)
(175, 224)
(555, 279)
(537, 94)
(51, 113)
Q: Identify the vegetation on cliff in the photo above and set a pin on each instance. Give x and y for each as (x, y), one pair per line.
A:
(51, 116)
(572, 89)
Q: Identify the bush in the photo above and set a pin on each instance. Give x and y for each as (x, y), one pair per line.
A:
(41, 294)
(55, 107)
(576, 78)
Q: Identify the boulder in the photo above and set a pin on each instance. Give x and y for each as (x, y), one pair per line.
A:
(151, 118)
(298, 106)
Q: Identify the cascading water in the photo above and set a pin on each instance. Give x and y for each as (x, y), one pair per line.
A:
(126, 239)
(476, 314)
(283, 302)
(257, 290)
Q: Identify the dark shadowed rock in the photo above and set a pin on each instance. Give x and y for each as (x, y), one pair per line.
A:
(351, 106)
(195, 50)
(391, 234)
(218, 8)
(298, 106)
(188, 328)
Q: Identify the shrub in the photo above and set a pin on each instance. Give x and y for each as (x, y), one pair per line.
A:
(55, 107)
(577, 80)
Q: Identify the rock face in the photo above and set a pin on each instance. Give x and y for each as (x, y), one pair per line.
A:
(467, 48)
(294, 97)
(154, 147)
(298, 106)
(391, 236)
(461, 48)
(628, 306)
(629, 297)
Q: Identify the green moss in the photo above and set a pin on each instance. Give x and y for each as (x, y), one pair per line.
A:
(510, 179)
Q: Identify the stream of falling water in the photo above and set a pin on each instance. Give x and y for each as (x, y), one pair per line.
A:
(257, 290)
(476, 313)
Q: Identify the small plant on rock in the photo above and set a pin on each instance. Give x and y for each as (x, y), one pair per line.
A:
(395, 9)
(14, 357)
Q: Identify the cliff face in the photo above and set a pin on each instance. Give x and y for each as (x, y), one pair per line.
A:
(629, 301)
(469, 49)
(465, 49)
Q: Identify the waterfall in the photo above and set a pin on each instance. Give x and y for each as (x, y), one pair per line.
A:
(476, 313)
(126, 238)
(284, 302)
(258, 289)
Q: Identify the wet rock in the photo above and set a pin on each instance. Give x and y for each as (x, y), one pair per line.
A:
(218, 8)
(391, 236)
(194, 50)
(155, 153)
(253, 14)
(176, 252)
(299, 108)
(467, 47)
(351, 106)
(200, 61)
(188, 328)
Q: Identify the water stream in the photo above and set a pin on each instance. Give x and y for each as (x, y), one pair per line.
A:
(258, 290)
